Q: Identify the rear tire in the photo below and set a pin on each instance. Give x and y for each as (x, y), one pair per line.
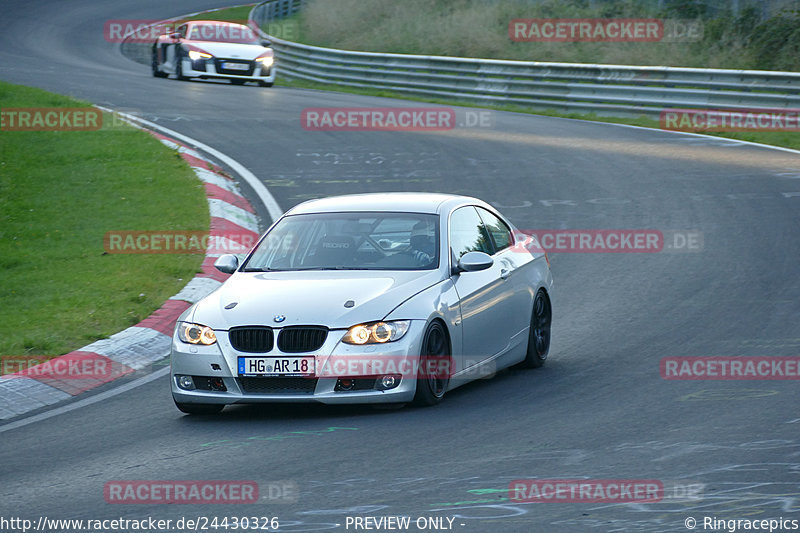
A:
(431, 387)
(265, 83)
(199, 408)
(539, 334)
(238, 82)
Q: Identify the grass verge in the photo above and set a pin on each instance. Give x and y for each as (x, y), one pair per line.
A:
(60, 192)
(723, 34)
(784, 139)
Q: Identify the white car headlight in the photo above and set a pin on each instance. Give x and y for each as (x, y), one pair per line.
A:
(196, 334)
(267, 61)
(376, 332)
(194, 55)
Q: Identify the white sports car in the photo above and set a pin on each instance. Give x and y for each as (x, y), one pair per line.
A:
(213, 49)
(373, 298)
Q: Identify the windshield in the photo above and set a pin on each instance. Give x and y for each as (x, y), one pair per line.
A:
(222, 33)
(349, 241)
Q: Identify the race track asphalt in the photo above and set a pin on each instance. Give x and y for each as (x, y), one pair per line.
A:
(599, 409)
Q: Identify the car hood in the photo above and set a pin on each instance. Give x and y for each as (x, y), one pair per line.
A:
(310, 297)
(230, 50)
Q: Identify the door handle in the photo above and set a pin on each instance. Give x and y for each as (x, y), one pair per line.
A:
(504, 272)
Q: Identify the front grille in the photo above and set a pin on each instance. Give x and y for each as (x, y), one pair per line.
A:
(279, 385)
(249, 72)
(296, 339)
(251, 339)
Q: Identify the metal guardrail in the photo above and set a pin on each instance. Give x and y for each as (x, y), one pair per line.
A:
(273, 10)
(572, 87)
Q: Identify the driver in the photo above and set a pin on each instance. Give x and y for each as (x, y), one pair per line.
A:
(422, 243)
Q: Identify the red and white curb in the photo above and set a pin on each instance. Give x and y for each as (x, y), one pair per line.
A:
(148, 341)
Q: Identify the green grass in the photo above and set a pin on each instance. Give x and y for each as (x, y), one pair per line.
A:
(477, 28)
(60, 192)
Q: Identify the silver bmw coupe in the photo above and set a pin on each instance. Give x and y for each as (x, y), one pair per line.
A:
(369, 298)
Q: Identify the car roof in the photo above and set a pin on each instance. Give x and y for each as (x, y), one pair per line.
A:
(411, 202)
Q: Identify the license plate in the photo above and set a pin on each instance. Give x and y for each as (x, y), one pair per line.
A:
(235, 66)
(277, 366)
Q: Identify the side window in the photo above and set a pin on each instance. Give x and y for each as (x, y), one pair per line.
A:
(467, 233)
(501, 233)
(182, 30)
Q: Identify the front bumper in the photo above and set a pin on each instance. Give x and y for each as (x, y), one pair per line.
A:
(220, 362)
(211, 68)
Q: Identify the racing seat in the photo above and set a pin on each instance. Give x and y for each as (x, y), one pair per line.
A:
(334, 251)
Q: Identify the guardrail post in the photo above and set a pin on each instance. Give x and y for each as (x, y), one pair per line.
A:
(602, 89)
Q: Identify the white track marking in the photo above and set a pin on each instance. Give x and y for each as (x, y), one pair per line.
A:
(260, 189)
(266, 199)
(86, 401)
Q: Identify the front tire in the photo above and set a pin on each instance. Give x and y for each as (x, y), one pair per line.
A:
(432, 386)
(179, 69)
(539, 334)
(154, 66)
(199, 408)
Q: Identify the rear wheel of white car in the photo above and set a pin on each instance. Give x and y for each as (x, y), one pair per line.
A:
(154, 65)
(434, 375)
(539, 335)
(237, 82)
(199, 408)
(265, 83)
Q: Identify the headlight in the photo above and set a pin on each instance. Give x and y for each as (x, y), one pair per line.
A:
(267, 61)
(196, 334)
(376, 332)
(194, 55)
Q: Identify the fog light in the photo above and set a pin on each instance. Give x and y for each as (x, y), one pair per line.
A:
(186, 382)
(388, 382)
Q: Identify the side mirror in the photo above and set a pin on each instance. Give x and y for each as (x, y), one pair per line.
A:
(227, 263)
(265, 43)
(474, 262)
(175, 36)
